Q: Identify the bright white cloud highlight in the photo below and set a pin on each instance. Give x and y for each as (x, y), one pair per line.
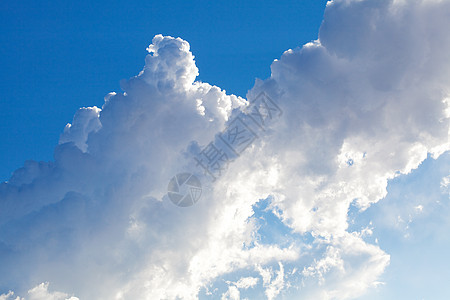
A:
(39, 292)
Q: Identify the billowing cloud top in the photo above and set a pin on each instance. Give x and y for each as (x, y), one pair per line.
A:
(366, 102)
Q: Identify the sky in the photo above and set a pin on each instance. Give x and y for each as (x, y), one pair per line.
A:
(330, 123)
(57, 57)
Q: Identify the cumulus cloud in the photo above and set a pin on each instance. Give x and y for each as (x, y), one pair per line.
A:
(39, 292)
(365, 103)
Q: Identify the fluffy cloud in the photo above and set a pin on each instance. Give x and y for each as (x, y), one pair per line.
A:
(366, 102)
(39, 292)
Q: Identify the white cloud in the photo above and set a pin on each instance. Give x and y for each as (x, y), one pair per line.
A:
(9, 296)
(39, 292)
(418, 245)
(363, 104)
(273, 282)
(85, 121)
(246, 282)
(445, 183)
(232, 294)
(234, 287)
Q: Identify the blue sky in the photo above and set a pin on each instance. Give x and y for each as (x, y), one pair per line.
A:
(59, 56)
(84, 207)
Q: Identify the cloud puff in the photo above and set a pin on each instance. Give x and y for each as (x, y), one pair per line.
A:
(39, 292)
(363, 104)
